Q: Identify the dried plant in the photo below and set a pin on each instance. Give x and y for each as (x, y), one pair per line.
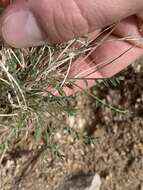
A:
(28, 81)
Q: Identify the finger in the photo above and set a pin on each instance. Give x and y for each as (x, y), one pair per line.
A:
(4, 3)
(32, 22)
(130, 31)
(108, 57)
(14, 32)
(140, 21)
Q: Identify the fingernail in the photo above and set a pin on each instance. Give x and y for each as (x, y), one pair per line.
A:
(21, 29)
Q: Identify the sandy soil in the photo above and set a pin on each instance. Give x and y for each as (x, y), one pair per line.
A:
(116, 154)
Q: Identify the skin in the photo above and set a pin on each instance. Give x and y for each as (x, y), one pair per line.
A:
(4, 3)
(28, 23)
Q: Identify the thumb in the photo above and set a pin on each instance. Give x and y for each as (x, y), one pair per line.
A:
(19, 26)
(33, 22)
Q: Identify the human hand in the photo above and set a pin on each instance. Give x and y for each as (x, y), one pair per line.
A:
(32, 22)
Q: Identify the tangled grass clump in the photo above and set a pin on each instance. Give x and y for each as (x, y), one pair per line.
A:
(28, 80)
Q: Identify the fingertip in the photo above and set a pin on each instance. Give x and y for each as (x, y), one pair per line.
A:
(20, 28)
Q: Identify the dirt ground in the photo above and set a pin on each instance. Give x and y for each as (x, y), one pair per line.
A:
(116, 154)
